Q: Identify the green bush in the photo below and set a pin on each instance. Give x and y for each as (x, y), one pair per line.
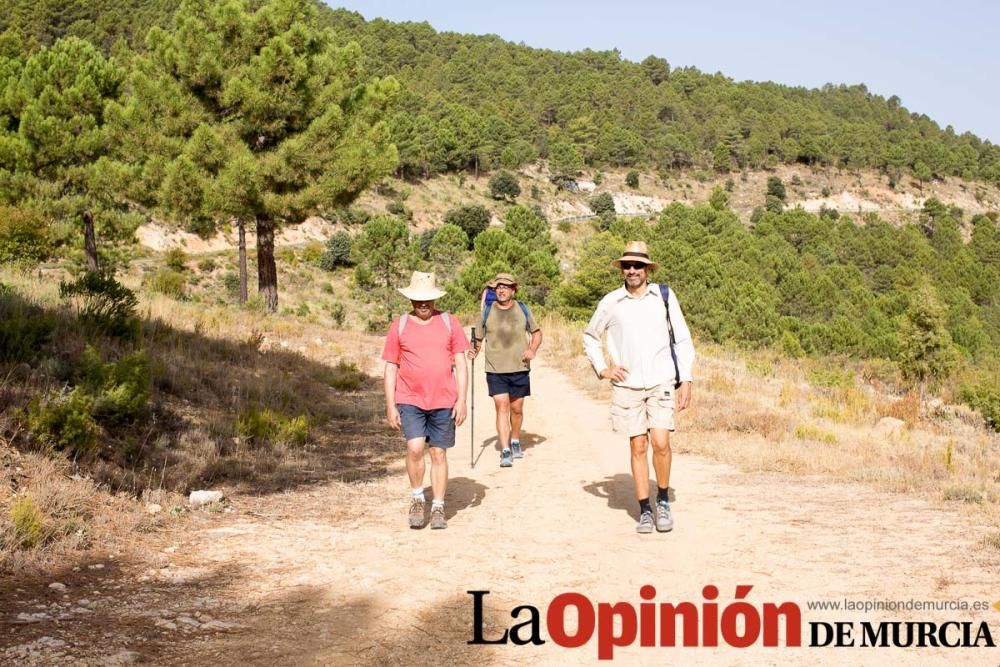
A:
(632, 179)
(24, 237)
(264, 425)
(27, 520)
(312, 253)
(176, 259)
(472, 219)
(984, 397)
(395, 208)
(338, 313)
(207, 265)
(169, 283)
(345, 376)
(603, 204)
(65, 423)
(120, 390)
(104, 304)
(504, 185)
(337, 253)
(25, 330)
(231, 283)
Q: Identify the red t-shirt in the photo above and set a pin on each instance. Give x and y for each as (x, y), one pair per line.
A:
(425, 355)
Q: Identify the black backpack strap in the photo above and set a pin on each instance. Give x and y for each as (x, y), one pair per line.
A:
(665, 294)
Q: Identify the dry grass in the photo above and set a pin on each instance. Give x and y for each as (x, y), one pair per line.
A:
(763, 413)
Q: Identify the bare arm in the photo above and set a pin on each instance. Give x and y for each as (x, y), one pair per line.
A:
(462, 380)
(533, 345)
(389, 385)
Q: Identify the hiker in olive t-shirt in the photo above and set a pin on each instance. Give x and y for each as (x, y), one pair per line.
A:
(512, 338)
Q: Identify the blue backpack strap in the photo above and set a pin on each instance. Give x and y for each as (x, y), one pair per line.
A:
(486, 314)
(665, 294)
(489, 306)
(524, 309)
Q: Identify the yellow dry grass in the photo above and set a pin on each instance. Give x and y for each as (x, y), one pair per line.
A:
(765, 414)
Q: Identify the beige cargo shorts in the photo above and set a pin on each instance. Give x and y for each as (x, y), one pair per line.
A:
(635, 411)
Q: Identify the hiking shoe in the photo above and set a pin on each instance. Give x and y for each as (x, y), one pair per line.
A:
(645, 524)
(506, 459)
(438, 521)
(417, 514)
(515, 447)
(664, 522)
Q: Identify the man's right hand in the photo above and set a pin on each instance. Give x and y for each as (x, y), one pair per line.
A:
(392, 416)
(615, 373)
(472, 352)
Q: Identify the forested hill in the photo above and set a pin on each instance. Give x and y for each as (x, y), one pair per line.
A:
(478, 102)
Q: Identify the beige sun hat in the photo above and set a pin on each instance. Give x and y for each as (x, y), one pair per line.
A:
(505, 279)
(636, 251)
(422, 287)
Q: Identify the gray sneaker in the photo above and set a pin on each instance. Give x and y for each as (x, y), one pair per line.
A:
(417, 514)
(506, 459)
(645, 524)
(515, 447)
(664, 522)
(438, 520)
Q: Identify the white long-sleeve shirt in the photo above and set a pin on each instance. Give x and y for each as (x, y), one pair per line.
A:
(638, 339)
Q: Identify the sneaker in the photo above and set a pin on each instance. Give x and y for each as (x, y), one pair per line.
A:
(664, 522)
(438, 520)
(417, 514)
(506, 460)
(515, 447)
(645, 524)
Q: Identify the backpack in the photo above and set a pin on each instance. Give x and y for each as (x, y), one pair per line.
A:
(489, 306)
(405, 316)
(665, 294)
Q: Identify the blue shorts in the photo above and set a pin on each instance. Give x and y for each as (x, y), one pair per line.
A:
(437, 425)
(518, 384)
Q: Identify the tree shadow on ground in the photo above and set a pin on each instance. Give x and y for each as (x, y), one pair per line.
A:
(619, 491)
(257, 414)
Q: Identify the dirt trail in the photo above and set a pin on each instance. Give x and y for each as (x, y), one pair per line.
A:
(331, 574)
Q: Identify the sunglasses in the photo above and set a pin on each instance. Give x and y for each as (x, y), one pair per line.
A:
(632, 265)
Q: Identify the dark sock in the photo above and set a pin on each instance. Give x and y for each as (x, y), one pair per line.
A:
(662, 494)
(644, 506)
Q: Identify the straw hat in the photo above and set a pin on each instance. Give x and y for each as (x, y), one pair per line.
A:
(505, 279)
(636, 251)
(422, 287)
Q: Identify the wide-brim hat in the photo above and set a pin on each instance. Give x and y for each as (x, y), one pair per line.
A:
(422, 287)
(504, 279)
(636, 251)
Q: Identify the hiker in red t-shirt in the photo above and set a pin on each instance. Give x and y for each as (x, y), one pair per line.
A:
(425, 386)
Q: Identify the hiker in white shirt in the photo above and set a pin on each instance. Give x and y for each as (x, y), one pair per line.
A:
(652, 357)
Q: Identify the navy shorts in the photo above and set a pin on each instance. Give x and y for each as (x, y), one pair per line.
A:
(436, 425)
(518, 385)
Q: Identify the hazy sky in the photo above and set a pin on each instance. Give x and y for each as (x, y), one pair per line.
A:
(940, 58)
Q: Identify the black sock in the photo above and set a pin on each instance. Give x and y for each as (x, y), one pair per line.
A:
(644, 505)
(662, 494)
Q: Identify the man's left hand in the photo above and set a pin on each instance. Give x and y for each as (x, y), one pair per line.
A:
(527, 355)
(459, 412)
(683, 396)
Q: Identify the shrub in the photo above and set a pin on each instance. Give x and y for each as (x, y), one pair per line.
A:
(270, 426)
(104, 304)
(826, 191)
(351, 215)
(231, 282)
(120, 390)
(396, 208)
(345, 376)
(337, 253)
(472, 219)
(176, 259)
(984, 398)
(312, 253)
(65, 422)
(775, 188)
(25, 330)
(168, 282)
(504, 185)
(27, 520)
(564, 226)
(24, 237)
(632, 179)
(602, 204)
(338, 313)
(207, 265)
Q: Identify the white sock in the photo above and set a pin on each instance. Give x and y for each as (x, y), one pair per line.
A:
(418, 494)
(437, 503)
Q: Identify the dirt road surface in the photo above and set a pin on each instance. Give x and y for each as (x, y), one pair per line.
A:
(330, 574)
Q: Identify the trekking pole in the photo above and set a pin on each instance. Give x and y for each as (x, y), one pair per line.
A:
(472, 410)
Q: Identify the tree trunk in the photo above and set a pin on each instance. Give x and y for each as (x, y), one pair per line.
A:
(241, 225)
(90, 241)
(267, 272)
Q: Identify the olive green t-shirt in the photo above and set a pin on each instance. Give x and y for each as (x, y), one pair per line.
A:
(507, 336)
